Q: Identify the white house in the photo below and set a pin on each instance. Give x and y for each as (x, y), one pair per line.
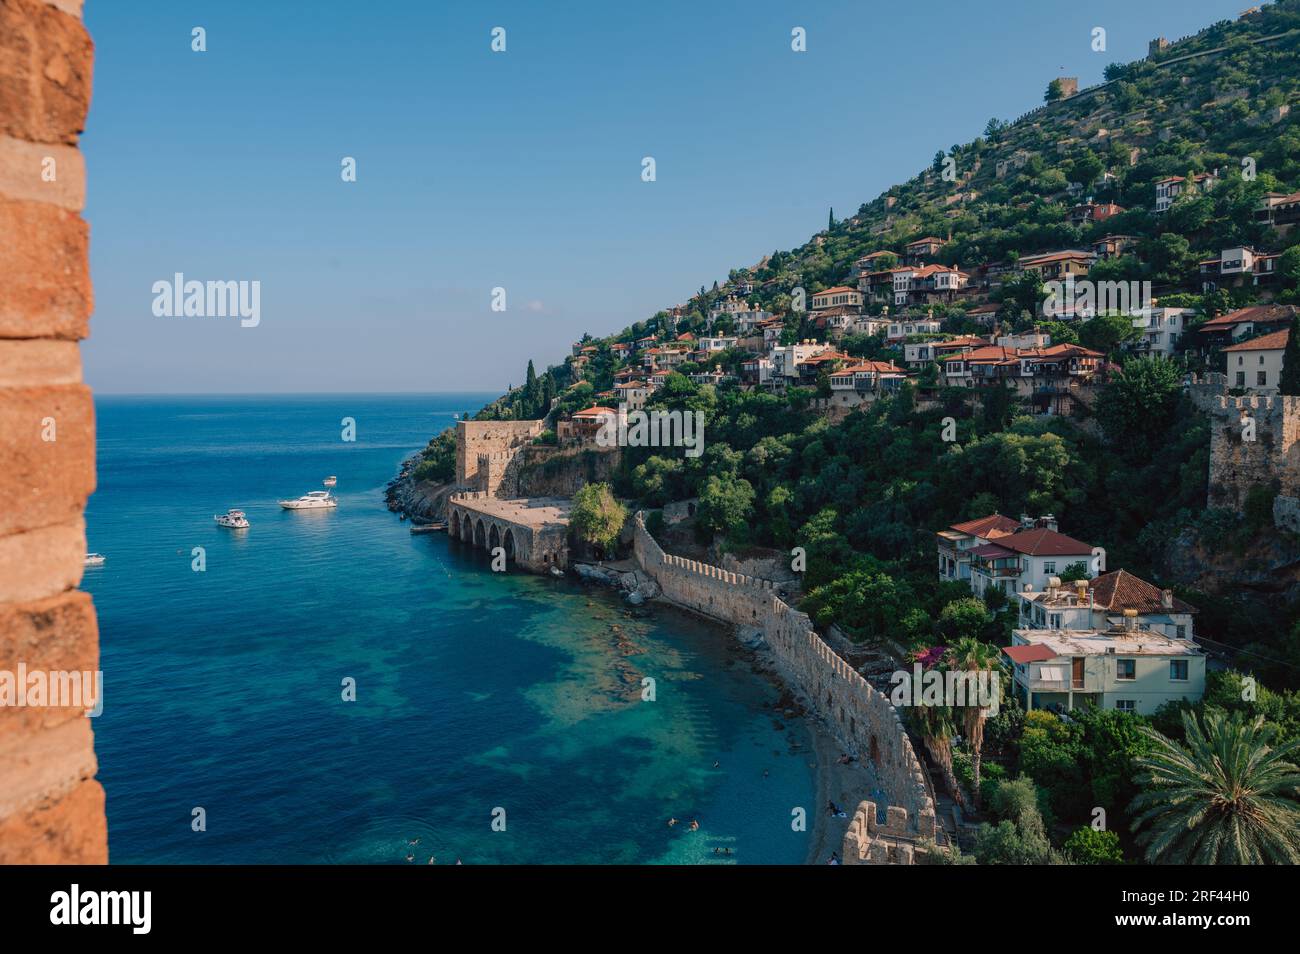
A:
(1028, 559)
(1160, 330)
(1123, 667)
(956, 542)
(1099, 604)
(1256, 365)
(840, 295)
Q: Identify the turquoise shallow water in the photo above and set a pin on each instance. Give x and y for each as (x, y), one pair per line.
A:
(476, 691)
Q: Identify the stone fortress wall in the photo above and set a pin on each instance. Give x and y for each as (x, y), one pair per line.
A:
(485, 451)
(862, 719)
(51, 805)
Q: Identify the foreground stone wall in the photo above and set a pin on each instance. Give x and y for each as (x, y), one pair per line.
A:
(51, 807)
(861, 718)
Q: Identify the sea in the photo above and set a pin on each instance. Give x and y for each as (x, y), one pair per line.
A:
(327, 688)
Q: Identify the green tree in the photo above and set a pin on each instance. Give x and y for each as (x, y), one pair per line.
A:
(1055, 91)
(1086, 846)
(1138, 405)
(596, 516)
(972, 656)
(1229, 797)
(726, 506)
(1290, 383)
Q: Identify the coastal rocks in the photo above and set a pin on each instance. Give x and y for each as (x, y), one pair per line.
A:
(638, 587)
(423, 501)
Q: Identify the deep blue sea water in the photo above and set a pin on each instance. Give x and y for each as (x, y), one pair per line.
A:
(476, 691)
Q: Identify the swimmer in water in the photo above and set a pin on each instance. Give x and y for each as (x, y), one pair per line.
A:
(695, 826)
(672, 822)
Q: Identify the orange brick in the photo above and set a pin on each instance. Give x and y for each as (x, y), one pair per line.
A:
(57, 634)
(67, 831)
(41, 563)
(44, 271)
(46, 59)
(45, 482)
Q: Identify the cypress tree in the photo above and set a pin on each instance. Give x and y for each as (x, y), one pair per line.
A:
(1290, 382)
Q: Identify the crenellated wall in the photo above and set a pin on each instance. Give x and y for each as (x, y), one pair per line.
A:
(1236, 463)
(51, 806)
(862, 719)
(486, 451)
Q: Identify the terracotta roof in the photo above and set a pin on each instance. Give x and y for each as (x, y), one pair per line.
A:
(1027, 654)
(1120, 589)
(595, 411)
(925, 241)
(991, 550)
(1270, 342)
(1263, 313)
(1044, 542)
(866, 367)
(994, 525)
(1046, 257)
(837, 290)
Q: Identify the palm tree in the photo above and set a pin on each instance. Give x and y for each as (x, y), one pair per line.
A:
(972, 655)
(1229, 797)
(936, 727)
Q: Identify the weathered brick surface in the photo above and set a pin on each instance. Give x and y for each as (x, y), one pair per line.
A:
(41, 563)
(38, 362)
(44, 271)
(42, 172)
(45, 72)
(51, 807)
(45, 482)
(57, 634)
(66, 830)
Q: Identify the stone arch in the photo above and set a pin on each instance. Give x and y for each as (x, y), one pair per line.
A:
(494, 537)
(453, 526)
(479, 536)
(508, 541)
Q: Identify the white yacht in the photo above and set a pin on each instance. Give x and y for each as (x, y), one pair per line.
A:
(234, 519)
(330, 481)
(94, 559)
(312, 500)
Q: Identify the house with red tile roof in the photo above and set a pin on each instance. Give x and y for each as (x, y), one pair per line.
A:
(1029, 558)
(857, 383)
(1100, 603)
(1245, 323)
(956, 542)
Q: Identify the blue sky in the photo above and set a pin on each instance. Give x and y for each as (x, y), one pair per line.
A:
(519, 169)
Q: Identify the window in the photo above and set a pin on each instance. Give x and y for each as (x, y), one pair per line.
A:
(1178, 670)
(1125, 705)
(1181, 632)
(1240, 360)
(1261, 359)
(1261, 377)
(1241, 379)
(1126, 669)
(1056, 621)
(1049, 566)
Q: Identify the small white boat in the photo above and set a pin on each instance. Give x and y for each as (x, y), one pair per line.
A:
(94, 559)
(312, 500)
(234, 519)
(330, 481)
